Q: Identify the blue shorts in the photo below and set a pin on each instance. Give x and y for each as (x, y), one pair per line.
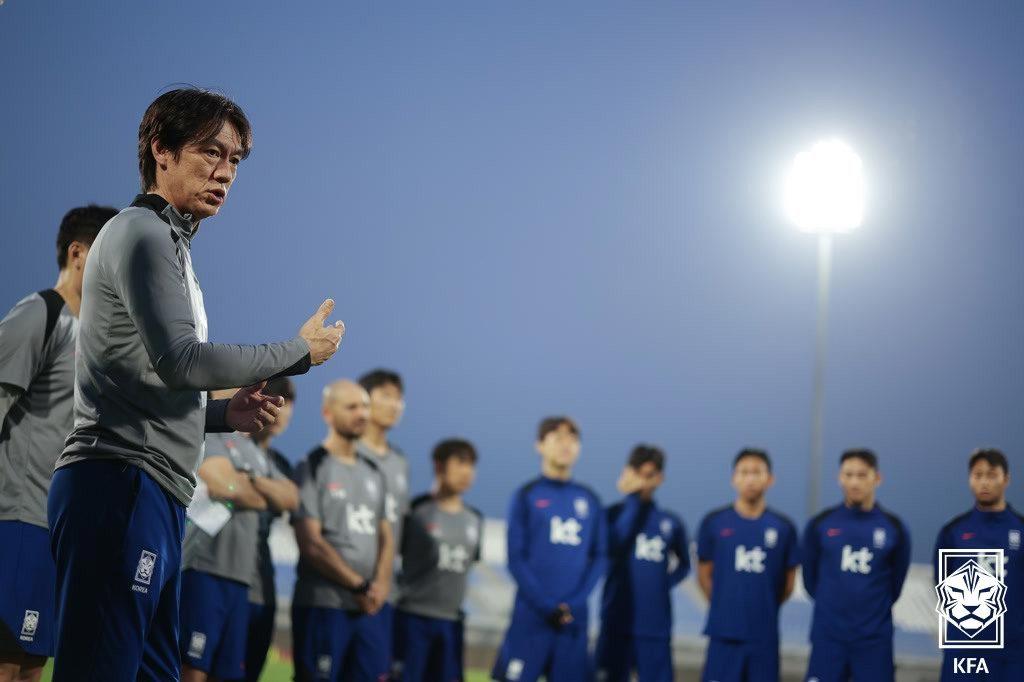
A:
(116, 539)
(261, 634)
(27, 575)
(731, 660)
(214, 624)
(427, 649)
(336, 645)
(1006, 665)
(864, 661)
(618, 655)
(533, 649)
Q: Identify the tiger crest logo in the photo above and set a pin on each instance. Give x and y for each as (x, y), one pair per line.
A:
(971, 599)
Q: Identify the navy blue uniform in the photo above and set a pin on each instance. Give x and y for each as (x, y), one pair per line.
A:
(648, 557)
(556, 553)
(992, 530)
(750, 560)
(855, 562)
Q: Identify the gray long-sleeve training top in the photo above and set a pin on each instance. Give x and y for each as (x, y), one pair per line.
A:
(143, 361)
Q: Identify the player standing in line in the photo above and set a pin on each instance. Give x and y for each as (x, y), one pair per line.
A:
(442, 540)
(648, 557)
(386, 407)
(855, 559)
(991, 524)
(116, 506)
(556, 554)
(37, 383)
(747, 554)
(262, 592)
(345, 552)
(218, 569)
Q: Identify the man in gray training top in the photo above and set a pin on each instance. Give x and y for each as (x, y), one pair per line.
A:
(219, 563)
(37, 383)
(442, 540)
(117, 502)
(345, 552)
(387, 403)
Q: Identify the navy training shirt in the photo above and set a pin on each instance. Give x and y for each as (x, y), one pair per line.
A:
(556, 548)
(854, 565)
(648, 557)
(751, 558)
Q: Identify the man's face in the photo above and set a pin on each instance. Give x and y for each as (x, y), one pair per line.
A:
(858, 480)
(988, 483)
(348, 412)
(650, 477)
(386, 405)
(751, 478)
(198, 181)
(560, 447)
(457, 473)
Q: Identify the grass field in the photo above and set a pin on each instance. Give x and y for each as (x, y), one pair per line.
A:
(280, 670)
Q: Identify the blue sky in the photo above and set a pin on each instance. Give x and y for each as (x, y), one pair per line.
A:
(530, 209)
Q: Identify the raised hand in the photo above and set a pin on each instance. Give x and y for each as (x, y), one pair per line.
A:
(251, 410)
(323, 341)
(629, 482)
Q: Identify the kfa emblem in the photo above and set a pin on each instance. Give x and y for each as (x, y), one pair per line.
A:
(144, 571)
(771, 537)
(581, 507)
(196, 645)
(879, 538)
(666, 527)
(971, 599)
(472, 533)
(29, 625)
(1014, 539)
(371, 488)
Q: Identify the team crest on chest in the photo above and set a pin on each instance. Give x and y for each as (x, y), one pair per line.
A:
(581, 506)
(371, 489)
(879, 538)
(771, 537)
(1014, 539)
(471, 532)
(666, 527)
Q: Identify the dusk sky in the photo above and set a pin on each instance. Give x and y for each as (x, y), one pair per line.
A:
(533, 208)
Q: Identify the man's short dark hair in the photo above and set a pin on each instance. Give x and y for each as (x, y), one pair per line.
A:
(453, 447)
(863, 454)
(756, 453)
(549, 424)
(381, 377)
(81, 224)
(994, 457)
(281, 386)
(186, 116)
(642, 454)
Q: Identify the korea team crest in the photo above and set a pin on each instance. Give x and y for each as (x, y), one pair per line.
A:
(971, 598)
(144, 571)
(771, 537)
(666, 527)
(29, 625)
(1014, 540)
(879, 538)
(582, 507)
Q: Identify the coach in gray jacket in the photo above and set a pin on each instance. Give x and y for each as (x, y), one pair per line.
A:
(117, 502)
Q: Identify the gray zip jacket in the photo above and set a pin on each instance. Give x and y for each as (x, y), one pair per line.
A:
(143, 362)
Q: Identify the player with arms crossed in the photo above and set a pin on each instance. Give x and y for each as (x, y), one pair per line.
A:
(556, 554)
(855, 560)
(747, 556)
(648, 557)
(345, 552)
(991, 524)
(116, 506)
(442, 540)
(37, 383)
(218, 567)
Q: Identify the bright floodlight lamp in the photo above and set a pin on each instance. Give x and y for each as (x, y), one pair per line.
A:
(824, 191)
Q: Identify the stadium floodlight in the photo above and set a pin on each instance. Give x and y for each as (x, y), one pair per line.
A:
(824, 195)
(825, 189)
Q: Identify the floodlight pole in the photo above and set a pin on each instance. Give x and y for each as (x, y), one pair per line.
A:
(818, 405)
